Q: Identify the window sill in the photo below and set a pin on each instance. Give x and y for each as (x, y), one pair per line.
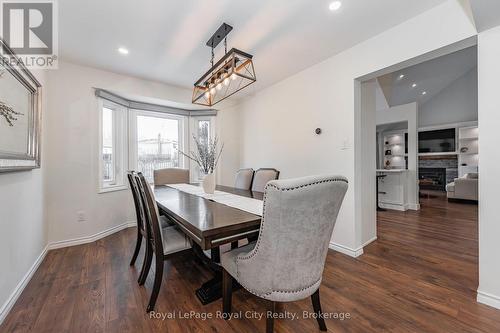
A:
(112, 189)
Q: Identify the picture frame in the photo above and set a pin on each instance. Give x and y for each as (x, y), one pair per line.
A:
(20, 114)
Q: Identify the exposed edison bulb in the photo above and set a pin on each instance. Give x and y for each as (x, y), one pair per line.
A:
(212, 91)
(234, 76)
(207, 95)
(226, 81)
(219, 86)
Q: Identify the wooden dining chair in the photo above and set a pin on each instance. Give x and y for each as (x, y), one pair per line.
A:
(141, 227)
(262, 176)
(171, 176)
(286, 263)
(139, 213)
(244, 179)
(163, 242)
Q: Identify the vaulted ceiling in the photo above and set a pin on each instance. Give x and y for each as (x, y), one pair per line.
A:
(430, 77)
(166, 39)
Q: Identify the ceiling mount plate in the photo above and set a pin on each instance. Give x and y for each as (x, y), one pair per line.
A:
(219, 35)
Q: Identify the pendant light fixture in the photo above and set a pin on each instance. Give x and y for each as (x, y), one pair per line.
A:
(233, 72)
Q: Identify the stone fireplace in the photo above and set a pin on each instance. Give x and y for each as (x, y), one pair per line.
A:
(440, 168)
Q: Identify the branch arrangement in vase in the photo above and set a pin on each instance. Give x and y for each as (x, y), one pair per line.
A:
(206, 155)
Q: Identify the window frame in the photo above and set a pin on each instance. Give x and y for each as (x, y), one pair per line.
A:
(125, 141)
(119, 151)
(133, 135)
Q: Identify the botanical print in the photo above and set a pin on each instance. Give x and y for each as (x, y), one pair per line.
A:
(15, 105)
(8, 112)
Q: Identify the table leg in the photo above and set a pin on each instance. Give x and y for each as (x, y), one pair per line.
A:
(211, 290)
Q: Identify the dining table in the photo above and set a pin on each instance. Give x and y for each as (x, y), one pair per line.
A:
(209, 224)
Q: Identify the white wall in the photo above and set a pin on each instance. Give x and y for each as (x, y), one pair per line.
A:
(72, 149)
(23, 235)
(366, 164)
(454, 104)
(279, 122)
(228, 129)
(489, 180)
(406, 113)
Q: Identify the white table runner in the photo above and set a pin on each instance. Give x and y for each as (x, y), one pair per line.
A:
(250, 205)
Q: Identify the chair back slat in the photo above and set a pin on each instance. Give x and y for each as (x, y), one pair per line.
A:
(139, 208)
(153, 227)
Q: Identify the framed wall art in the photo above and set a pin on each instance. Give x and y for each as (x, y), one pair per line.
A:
(20, 114)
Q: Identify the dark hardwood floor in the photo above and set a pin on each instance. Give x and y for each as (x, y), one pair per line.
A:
(419, 276)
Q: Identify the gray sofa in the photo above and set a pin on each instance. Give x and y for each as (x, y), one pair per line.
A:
(464, 188)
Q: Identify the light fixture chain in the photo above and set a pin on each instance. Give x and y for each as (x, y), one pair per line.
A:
(225, 45)
(213, 56)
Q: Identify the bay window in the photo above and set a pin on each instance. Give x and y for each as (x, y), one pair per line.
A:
(131, 138)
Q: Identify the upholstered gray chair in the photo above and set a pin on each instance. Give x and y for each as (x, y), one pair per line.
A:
(287, 261)
(262, 176)
(171, 176)
(244, 179)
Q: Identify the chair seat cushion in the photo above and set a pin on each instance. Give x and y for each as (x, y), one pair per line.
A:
(228, 259)
(174, 240)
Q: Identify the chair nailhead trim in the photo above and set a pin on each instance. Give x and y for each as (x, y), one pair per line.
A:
(281, 291)
(305, 185)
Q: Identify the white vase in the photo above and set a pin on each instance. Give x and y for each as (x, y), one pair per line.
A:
(209, 183)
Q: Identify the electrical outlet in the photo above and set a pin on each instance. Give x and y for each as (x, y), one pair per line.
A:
(80, 216)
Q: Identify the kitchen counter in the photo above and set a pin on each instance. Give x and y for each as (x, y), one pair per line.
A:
(391, 170)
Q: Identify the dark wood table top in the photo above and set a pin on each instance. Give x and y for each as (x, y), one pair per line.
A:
(208, 223)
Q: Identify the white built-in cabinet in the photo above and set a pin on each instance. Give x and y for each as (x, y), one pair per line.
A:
(393, 189)
(468, 150)
(394, 150)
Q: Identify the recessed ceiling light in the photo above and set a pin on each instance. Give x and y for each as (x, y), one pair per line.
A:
(414, 85)
(424, 92)
(123, 50)
(335, 5)
(401, 76)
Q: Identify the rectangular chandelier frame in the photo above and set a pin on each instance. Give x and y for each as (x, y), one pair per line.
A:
(233, 72)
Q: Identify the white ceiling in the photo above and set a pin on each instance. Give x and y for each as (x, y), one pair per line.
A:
(166, 39)
(486, 13)
(431, 76)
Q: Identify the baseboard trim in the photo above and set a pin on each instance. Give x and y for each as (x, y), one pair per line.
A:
(9, 303)
(346, 250)
(414, 206)
(349, 251)
(401, 208)
(7, 306)
(371, 240)
(488, 299)
(92, 238)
